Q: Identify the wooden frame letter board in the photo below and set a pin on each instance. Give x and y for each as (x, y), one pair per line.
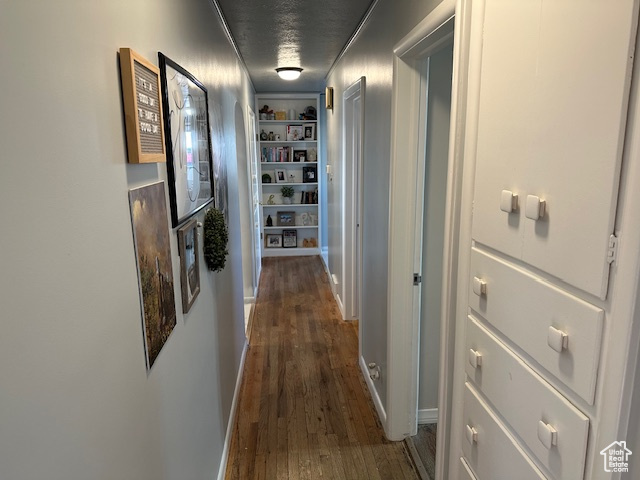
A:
(142, 108)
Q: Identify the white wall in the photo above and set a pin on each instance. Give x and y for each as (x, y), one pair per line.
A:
(437, 148)
(76, 401)
(371, 56)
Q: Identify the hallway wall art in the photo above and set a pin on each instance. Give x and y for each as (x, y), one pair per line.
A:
(188, 142)
(155, 274)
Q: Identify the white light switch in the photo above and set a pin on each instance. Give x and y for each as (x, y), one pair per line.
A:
(479, 286)
(508, 201)
(471, 434)
(475, 358)
(535, 207)
(547, 435)
(557, 339)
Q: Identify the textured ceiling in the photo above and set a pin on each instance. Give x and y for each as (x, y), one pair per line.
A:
(291, 33)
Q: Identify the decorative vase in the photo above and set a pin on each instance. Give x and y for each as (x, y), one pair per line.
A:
(269, 221)
(286, 200)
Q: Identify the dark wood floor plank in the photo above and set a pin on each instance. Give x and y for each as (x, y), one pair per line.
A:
(304, 410)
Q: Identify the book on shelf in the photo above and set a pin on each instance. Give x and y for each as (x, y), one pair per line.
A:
(277, 154)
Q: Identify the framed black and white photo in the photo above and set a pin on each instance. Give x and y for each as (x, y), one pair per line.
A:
(281, 176)
(309, 132)
(188, 141)
(309, 174)
(274, 240)
(289, 239)
(189, 263)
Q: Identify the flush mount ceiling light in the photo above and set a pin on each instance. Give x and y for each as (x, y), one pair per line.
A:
(289, 73)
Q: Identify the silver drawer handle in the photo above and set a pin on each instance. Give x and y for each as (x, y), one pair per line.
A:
(475, 358)
(557, 339)
(471, 434)
(547, 435)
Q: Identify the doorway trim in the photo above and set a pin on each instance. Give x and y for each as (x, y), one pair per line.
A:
(353, 101)
(448, 20)
(254, 190)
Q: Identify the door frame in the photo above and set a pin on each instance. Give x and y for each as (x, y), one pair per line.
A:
(353, 197)
(449, 20)
(252, 158)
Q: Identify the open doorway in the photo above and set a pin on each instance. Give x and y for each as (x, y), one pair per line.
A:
(437, 71)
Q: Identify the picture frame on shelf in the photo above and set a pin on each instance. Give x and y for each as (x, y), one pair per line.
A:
(295, 133)
(309, 132)
(309, 174)
(185, 103)
(289, 238)
(286, 219)
(281, 176)
(274, 240)
(188, 249)
(299, 155)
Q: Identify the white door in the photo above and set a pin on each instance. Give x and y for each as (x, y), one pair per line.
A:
(255, 199)
(563, 142)
(353, 128)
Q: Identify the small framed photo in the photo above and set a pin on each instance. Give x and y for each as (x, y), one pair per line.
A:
(274, 240)
(295, 133)
(299, 155)
(309, 174)
(286, 219)
(189, 263)
(281, 176)
(289, 239)
(309, 132)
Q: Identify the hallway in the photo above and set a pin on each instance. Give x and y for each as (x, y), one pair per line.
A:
(304, 411)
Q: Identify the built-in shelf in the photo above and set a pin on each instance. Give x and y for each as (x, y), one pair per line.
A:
(279, 205)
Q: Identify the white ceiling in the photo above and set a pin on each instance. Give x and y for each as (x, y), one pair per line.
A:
(291, 33)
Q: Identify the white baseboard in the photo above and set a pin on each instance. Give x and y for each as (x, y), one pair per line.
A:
(428, 415)
(232, 415)
(382, 414)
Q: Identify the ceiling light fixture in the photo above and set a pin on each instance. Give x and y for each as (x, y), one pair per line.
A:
(289, 73)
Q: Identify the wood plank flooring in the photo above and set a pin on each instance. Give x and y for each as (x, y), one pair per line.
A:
(304, 410)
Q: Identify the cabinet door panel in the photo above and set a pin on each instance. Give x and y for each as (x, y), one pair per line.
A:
(553, 104)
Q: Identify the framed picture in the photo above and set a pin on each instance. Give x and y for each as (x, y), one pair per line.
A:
(274, 240)
(189, 263)
(155, 275)
(142, 108)
(188, 141)
(281, 176)
(295, 133)
(299, 155)
(289, 238)
(309, 174)
(310, 132)
(286, 219)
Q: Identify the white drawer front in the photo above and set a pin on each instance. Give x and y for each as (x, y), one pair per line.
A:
(465, 471)
(494, 455)
(524, 399)
(523, 307)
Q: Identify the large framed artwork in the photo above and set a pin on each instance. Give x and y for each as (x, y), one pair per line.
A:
(155, 274)
(188, 140)
(188, 247)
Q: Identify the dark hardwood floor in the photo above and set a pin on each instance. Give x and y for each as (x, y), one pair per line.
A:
(304, 411)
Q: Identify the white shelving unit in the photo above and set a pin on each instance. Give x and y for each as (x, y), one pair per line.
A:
(280, 156)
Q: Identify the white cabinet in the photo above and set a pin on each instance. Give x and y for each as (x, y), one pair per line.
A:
(289, 139)
(552, 110)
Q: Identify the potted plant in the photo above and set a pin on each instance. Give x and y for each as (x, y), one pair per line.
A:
(287, 193)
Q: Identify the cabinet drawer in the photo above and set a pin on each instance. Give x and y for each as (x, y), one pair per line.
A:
(530, 405)
(524, 307)
(465, 471)
(494, 454)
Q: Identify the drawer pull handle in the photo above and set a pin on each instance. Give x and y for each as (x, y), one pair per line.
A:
(471, 434)
(535, 207)
(479, 286)
(547, 435)
(557, 339)
(475, 358)
(508, 201)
